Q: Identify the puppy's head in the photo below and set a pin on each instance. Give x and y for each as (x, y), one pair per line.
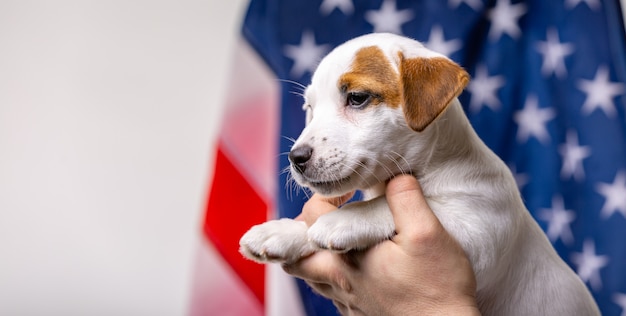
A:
(369, 106)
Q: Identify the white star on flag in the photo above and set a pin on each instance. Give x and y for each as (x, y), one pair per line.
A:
(532, 121)
(614, 195)
(620, 299)
(504, 18)
(306, 56)
(573, 155)
(554, 53)
(438, 43)
(593, 4)
(559, 220)
(345, 6)
(474, 4)
(589, 264)
(483, 89)
(600, 93)
(387, 18)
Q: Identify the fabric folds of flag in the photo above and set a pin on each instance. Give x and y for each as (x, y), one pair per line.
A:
(240, 195)
(548, 95)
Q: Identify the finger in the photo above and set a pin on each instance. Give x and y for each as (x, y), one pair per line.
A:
(411, 214)
(322, 267)
(319, 205)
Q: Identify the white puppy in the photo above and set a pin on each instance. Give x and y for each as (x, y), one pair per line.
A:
(381, 105)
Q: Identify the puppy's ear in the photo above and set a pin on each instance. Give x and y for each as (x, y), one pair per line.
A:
(428, 86)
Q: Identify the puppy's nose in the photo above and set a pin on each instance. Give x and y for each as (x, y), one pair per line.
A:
(299, 157)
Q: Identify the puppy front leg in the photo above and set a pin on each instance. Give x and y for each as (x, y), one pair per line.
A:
(283, 240)
(357, 225)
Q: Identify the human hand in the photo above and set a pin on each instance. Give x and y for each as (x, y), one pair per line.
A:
(422, 270)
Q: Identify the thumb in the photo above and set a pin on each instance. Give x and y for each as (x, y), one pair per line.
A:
(413, 218)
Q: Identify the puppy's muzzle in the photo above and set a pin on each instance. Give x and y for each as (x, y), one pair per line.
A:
(300, 157)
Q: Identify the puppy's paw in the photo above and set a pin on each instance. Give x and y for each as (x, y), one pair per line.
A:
(283, 241)
(344, 230)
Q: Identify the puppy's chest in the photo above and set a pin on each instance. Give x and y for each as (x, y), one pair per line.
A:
(375, 191)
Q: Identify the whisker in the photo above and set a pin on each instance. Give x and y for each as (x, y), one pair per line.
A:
(395, 161)
(388, 170)
(307, 192)
(291, 139)
(291, 186)
(300, 87)
(406, 162)
(358, 163)
(297, 84)
(286, 170)
(297, 93)
(289, 183)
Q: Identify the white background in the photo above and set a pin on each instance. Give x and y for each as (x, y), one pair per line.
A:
(108, 113)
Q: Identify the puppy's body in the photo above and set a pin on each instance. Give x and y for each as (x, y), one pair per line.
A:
(382, 105)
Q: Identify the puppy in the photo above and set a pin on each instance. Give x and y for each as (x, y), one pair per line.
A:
(381, 105)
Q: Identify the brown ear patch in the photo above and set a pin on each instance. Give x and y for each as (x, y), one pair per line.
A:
(428, 86)
(371, 72)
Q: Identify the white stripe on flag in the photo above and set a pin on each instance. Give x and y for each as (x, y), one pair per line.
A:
(282, 298)
(217, 290)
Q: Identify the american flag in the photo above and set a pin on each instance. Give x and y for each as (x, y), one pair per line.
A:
(548, 95)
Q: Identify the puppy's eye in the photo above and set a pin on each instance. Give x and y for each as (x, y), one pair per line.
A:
(358, 100)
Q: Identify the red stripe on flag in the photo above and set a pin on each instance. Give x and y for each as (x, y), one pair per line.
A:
(233, 207)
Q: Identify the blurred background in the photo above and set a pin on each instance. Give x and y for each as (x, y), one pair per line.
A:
(108, 116)
(110, 111)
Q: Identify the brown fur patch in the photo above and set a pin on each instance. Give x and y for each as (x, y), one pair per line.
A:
(372, 72)
(428, 86)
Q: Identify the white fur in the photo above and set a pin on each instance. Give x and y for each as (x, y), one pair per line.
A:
(469, 188)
